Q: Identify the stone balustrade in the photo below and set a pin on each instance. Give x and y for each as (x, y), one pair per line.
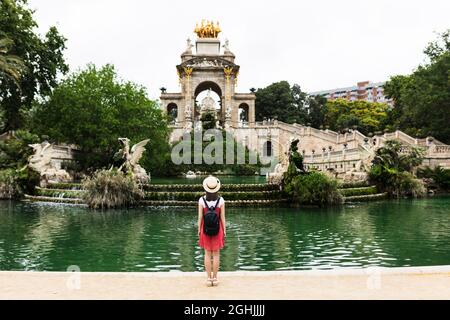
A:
(346, 148)
(441, 149)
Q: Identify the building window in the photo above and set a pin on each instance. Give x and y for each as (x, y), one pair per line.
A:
(267, 149)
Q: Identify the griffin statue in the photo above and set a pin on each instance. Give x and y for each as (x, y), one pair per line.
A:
(131, 159)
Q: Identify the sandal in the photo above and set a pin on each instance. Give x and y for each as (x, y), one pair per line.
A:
(209, 282)
(215, 282)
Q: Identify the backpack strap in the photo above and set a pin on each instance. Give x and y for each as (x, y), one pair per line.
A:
(204, 200)
(217, 203)
(206, 204)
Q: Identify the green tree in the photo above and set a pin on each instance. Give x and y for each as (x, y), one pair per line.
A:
(92, 108)
(317, 110)
(280, 100)
(393, 155)
(392, 169)
(208, 120)
(366, 116)
(16, 178)
(15, 151)
(43, 58)
(422, 99)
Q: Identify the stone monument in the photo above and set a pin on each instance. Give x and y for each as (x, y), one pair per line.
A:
(131, 159)
(41, 161)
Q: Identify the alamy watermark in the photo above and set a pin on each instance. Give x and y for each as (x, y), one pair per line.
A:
(217, 147)
(73, 282)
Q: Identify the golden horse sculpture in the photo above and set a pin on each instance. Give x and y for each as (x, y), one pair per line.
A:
(208, 29)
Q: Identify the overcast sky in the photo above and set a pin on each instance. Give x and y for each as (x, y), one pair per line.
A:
(318, 44)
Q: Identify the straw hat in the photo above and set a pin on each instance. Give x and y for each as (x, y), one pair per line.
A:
(211, 184)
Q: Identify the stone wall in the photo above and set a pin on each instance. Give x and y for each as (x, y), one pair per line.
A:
(327, 150)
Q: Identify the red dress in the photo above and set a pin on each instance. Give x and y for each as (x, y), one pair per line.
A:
(212, 243)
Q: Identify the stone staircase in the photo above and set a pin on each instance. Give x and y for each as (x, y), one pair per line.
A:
(172, 195)
(360, 193)
(185, 195)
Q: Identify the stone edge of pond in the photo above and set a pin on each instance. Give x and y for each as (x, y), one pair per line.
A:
(175, 203)
(155, 203)
(438, 269)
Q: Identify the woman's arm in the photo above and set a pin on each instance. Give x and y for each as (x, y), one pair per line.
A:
(222, 217)
(200, 217)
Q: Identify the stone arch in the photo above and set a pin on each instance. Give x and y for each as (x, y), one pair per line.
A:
(204, 86)
(244, 112)
(172, 112)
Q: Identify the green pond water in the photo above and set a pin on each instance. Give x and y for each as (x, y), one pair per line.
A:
(36, 236)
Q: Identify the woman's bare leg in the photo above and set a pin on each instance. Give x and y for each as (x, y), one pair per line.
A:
(208, 263)
(216, 262)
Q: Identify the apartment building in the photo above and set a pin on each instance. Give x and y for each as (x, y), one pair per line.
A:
(364, 90)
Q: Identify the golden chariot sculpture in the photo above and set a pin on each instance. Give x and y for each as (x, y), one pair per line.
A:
(207, 29)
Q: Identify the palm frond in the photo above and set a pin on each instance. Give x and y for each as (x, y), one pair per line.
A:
(11, 66)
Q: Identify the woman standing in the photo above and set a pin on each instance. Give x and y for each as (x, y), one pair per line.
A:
(212, 244)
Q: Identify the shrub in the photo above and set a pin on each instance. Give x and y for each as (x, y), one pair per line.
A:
(14, 152)
(396, 183)
(439, 175)
(111, 189)
(245, 169)
(314, 188)
(409, 185)
(391, 168)
(208, 121)
(14, 183)
(290, 174)
(9, 188)
(27, 179)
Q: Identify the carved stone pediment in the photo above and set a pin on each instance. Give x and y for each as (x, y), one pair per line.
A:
(206, 62)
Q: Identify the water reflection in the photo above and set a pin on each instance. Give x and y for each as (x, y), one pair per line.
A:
(391, 233)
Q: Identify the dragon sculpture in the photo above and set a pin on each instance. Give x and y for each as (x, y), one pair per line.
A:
(41, 161)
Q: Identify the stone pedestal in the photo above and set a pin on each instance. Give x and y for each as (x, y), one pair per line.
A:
(208, 46)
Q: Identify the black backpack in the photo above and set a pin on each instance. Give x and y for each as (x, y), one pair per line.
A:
(211, 219)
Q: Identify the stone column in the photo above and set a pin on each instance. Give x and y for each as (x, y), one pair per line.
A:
(234, 113)
(251, 113)
(344, 157)
(189, 108)
(228, 107)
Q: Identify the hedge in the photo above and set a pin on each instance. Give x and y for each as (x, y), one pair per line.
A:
(70, 186)
(358, 191)
(228, 196)
(59, 193)
(364, 198)
(199, 187)
(346, 185)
